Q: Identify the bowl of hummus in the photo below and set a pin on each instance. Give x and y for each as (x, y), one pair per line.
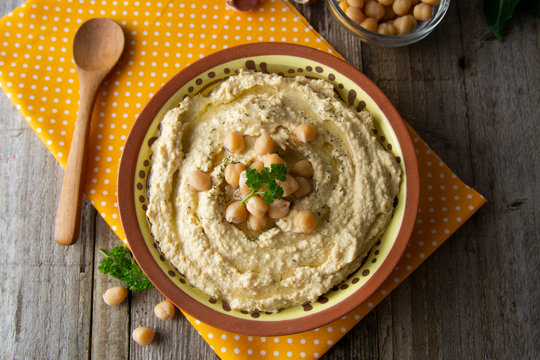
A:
(268, 189)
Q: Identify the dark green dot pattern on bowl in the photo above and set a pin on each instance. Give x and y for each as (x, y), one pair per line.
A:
(210, 79)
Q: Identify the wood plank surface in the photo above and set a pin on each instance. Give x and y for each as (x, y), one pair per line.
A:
(473, 99)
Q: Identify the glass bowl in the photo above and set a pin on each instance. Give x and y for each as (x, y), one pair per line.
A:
(423, 29)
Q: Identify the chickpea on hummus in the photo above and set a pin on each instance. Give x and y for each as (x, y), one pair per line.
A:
(264, 248)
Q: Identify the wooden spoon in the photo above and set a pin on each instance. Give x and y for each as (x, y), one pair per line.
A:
(97, 46)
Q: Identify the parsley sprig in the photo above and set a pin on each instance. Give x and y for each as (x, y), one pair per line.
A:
(268, 177)
(120, 265)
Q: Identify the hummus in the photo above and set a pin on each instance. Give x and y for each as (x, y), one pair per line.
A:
(354, 185)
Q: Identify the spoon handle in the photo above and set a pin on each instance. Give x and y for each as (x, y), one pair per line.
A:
(68, 215)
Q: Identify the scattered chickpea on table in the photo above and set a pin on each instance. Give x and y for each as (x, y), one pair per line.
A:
(143, 335)
(389, 17)
(115, 295)
(165, 310)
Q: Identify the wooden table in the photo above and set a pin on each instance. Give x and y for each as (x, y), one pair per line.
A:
(474, 100)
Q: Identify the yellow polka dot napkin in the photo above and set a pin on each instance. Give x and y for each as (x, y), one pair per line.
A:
(39, 77)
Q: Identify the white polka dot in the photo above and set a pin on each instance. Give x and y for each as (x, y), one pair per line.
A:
(302, 341)
(223, 349)
(302, 354)
(210, 335)
(276, 340)
(289, 354)
(250, 338)
(343, 330)
(276, 353)
(263, 339)
(250, 351)
(330, 329)
(236, 350)
(329, 342)
(316, 355)
(316, 342)
(263, 352)
(236, 337)
(289, 340)
(223, 336)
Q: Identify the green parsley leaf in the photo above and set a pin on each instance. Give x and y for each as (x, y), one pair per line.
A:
(120, 265)
(268, 177)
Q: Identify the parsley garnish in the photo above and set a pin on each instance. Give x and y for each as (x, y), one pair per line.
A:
(268, 177)
(120, 265)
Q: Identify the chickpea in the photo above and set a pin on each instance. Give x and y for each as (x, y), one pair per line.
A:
(234, 142)
(242, 193)
(369, 24)
(264, 144)
(374, 10)
(414, 21)
(403, 25)
(257, 165)
(278, 209)
(432, 2)
(385, 2)
(386, 29)
(256, 206)
(305, 133)
(143, 336)
(258, 223)
(270, 159)
(355, 14)
(304, 222)
(289, 185)
(165, 310)
(242, 180)
(343, 5)
(356, 3)
(422, 12)
(303, 168)
(232, 173)
(304, 187)
(401, 7)
(115, 295)
(236, 212)
(200, 181)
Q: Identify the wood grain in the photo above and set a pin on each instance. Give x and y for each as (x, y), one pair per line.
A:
(474, 99)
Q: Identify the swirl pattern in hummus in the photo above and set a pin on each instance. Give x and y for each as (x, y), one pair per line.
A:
(354, 184)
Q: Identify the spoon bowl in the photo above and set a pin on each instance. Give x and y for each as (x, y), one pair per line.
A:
(97, 47)
(98, 44)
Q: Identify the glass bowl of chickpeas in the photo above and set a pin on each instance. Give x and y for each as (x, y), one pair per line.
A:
(390, 22)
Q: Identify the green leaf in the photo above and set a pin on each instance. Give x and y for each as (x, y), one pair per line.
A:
(120, 265)
(268, 177)
(497, 12)
(254, 179)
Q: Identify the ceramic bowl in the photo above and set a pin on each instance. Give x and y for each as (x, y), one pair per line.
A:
(423, 29)
(202, 76)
